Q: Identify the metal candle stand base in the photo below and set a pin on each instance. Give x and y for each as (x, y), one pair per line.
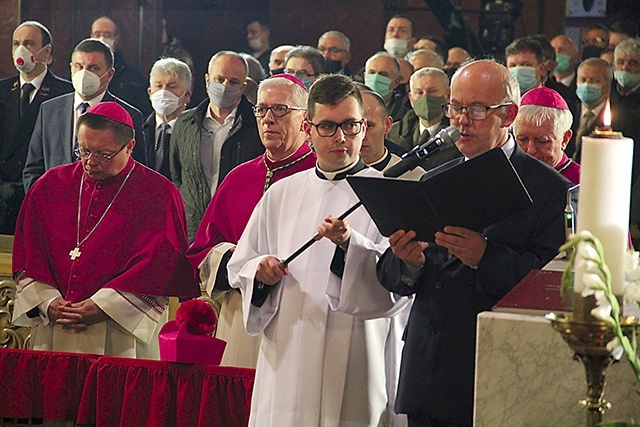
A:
(588, 339)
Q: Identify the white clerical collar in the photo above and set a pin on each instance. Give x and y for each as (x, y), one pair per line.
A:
(380, 160)
(331, 176)
(93, 101)
(36, 82)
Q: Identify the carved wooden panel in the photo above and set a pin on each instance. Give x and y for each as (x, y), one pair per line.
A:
(11, 336)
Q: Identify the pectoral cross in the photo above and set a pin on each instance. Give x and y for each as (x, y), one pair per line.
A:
(75, 253)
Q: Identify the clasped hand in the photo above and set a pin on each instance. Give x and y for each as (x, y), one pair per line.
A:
(271, 270)
(75, 315)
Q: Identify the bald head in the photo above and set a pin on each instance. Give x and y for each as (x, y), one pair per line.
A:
(425, 58)
(105, 29)
(456, 57)
(378, 125)
(483, 83)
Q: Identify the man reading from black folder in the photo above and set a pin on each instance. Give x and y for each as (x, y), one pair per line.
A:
(465, 272)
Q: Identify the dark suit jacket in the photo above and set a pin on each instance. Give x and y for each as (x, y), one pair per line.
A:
(51, 143)
(130, 85)
(622, 120)
(438, 360)
(150, 138)
(16, 133)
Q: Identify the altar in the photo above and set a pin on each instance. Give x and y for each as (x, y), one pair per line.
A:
(526, 376)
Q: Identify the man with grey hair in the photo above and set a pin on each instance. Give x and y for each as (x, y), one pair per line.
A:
(626, 66)
(169, 92)
(336, 49)
(304, 62)
(382, 75)
(464, 272)
(543, 129)
(276, 60)
(429, 92)
(214, 137)
(425, 58)
(280, 111)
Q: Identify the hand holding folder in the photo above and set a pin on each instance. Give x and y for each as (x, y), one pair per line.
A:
(474, 194)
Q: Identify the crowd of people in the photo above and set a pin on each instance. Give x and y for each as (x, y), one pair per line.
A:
(120, 197)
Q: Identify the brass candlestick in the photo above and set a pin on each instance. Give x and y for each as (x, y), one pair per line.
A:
(588, 339)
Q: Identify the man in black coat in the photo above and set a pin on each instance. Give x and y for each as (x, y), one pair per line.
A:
(465, 272)
(22, 95)
(127, 83)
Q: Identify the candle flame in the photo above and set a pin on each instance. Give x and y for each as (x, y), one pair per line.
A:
(606, 117)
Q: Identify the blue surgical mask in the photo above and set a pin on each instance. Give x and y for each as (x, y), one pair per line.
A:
(379, 84)
(307, 81)
(526, 77)
(564, 63)
(588, 93)
(627, 79)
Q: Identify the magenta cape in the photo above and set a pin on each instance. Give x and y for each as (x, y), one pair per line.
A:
(571, 172)
(233, 202)
(139, 247)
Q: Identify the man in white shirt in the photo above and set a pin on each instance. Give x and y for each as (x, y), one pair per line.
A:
(169, 92)
(22, 96)
(54, 136)
(214, 137)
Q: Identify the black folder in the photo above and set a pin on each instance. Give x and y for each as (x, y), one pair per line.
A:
(474, 194)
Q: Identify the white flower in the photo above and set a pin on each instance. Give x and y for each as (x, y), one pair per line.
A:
(603, 307)
(592, 282)
(631, 292)
(616, 348)
(586, 251)
(632, 266)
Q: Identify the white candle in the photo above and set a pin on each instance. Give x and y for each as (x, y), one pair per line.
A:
(603, 204)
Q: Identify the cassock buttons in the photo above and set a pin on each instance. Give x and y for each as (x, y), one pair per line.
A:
(438, 285)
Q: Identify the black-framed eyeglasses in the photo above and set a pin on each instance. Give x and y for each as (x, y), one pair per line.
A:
(278, 110)
(101, 157)
(349, 127)
(474, 111)
(302, 74)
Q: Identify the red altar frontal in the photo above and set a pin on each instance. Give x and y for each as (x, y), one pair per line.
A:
(113, 391)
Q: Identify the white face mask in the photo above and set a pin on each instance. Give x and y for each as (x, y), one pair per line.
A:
(255, 44)
(396, 47)
(164, 102)
(86, 82)
(107, 41)
(24, 60)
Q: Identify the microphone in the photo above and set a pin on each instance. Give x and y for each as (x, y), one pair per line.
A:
(570, 217)
(418, 153)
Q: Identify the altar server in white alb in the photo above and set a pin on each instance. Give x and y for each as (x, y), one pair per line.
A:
(325, 321)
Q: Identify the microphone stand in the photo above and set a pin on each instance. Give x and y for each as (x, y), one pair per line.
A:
(409, 161)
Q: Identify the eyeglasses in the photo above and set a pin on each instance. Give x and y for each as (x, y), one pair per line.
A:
(278, 110)
(349, 128)
(300, 74)
(331, 50)
(101, 157)
(594, 41)
(474, 111)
